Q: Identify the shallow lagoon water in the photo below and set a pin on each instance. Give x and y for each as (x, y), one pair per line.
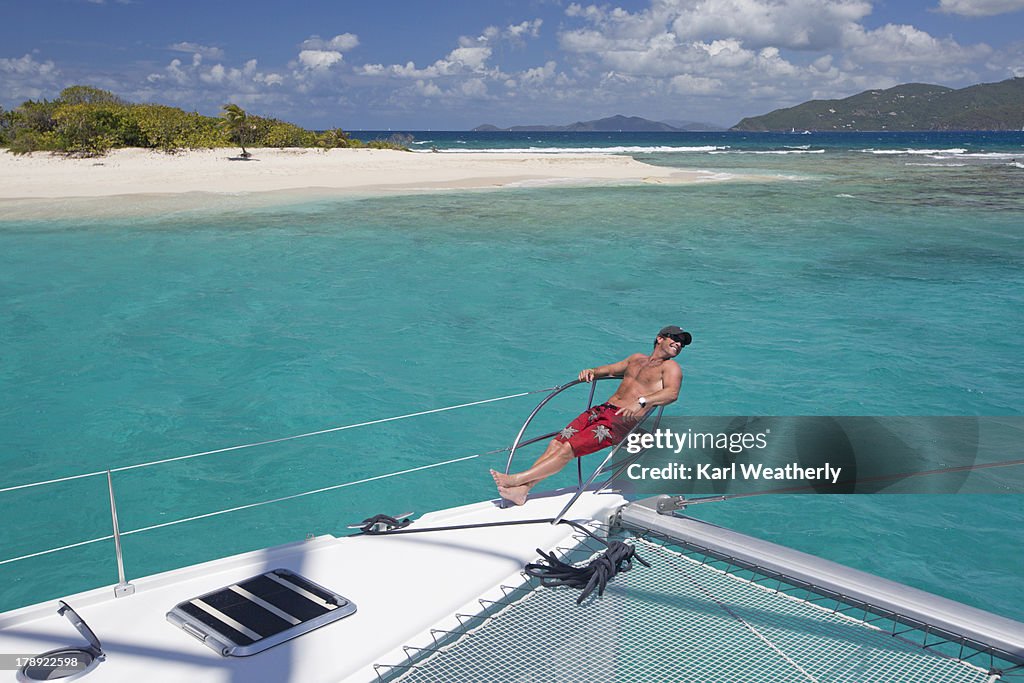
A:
(846, 283)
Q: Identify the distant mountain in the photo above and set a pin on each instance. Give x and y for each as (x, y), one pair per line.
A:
(612, 124)
(693, 126)
(913, 106)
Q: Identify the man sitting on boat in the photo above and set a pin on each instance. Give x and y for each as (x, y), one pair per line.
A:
(647, 381)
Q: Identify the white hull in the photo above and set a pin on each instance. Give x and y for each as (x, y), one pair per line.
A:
(402, 586)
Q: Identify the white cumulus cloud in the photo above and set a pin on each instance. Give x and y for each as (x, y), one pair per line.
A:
(514, 33)
(319, 59)
(727, 53)
(755, 55)
(475, 89)
(538, 75)
(469, 57)
(428, 88)
(902, 43)
(685, 84)
(197, 77)
(340, 43)
(461, 60)
(195, 48)
(216, 74)
(980, 8)
(793, 24)
(526, 28)
(1008, 61)
(26, 78)
(27, 66)
(470, 60)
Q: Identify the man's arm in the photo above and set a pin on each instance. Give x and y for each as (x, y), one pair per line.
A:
(611, 370)
(672, 379)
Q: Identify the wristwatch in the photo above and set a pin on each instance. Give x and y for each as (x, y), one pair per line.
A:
(642, 401)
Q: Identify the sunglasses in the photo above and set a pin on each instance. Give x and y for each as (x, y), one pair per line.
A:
(677, 338)
(65, 662)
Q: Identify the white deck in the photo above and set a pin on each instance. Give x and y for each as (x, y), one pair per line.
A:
(402, 586)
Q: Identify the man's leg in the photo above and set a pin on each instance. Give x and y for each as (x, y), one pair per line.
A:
(515, 487)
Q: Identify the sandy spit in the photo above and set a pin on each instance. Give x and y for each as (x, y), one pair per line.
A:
(359, 171)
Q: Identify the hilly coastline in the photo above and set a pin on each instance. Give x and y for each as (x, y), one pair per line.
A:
(611, 124)
(908, 107)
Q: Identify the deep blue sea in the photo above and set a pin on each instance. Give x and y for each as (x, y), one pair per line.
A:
(854, 274)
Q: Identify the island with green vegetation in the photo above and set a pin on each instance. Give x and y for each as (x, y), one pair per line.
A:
(87, 121)
(909, 107)
(611, 124)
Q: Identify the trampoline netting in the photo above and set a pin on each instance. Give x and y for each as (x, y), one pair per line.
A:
(685, 618)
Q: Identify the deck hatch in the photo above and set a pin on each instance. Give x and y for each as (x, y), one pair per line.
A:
(283, 598)
(259, 612)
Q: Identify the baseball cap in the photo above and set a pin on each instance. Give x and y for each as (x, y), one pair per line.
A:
(675, 331)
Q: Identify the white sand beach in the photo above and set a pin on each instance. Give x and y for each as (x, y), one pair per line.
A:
(360, 171)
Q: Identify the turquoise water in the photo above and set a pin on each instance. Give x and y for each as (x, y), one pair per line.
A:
(837, 282)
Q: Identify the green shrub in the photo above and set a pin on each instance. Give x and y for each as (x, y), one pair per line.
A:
(204, 132)
(31, 126)
(334, 138)
(6, 126)
(170, 129)
(274, 133)
(399, 141)
(84, 94)
(27, 140)
(89, 121)
(93, 129)
(37, 116)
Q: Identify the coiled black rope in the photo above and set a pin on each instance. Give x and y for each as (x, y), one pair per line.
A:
(597, 573)
(386, 523)
(618, 556)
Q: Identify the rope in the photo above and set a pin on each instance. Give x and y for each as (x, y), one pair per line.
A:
(271, 441)
(457, 527)
(618, 556)
(389, 523)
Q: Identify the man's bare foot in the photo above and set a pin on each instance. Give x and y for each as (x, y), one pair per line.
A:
(501, 479)
(514, 494)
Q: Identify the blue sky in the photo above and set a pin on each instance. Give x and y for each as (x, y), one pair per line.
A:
(459, 63)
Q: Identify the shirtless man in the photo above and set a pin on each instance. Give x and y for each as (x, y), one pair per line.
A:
(647, 381)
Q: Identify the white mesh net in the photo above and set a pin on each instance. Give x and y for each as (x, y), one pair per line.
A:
(679, 620)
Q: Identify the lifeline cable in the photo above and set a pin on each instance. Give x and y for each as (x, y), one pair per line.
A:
(254, 505)
(270, 441)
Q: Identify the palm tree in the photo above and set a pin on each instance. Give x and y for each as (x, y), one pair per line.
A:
(236, 122)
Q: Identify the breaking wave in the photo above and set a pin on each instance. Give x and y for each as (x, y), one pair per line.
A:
(659, 149)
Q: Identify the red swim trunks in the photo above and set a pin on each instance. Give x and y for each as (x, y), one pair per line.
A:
(596, 428)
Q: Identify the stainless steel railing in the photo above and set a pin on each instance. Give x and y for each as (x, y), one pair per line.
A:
(125, 588)
(581, 486)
